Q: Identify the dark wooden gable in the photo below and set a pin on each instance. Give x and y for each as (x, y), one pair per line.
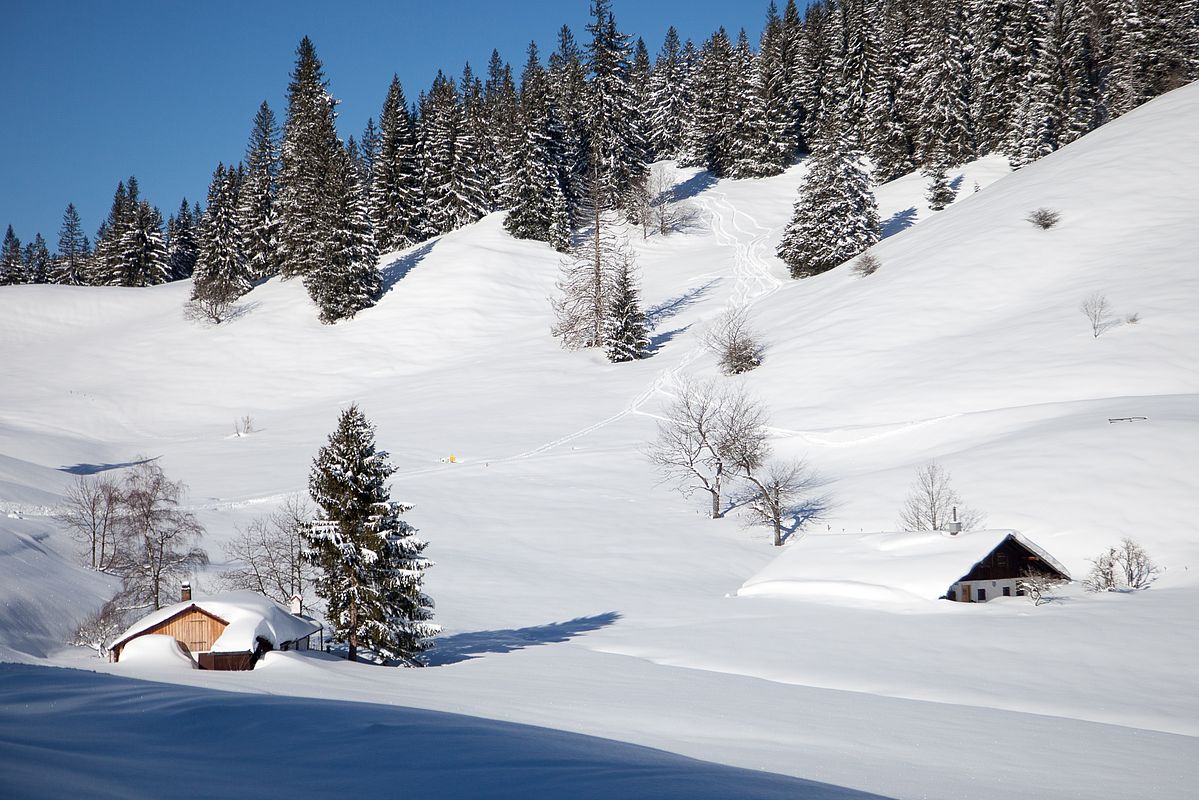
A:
(1010, 559)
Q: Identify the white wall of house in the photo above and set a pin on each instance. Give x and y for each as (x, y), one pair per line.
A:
(991, 589)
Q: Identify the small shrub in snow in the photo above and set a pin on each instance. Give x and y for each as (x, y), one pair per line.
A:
(1125, 567)
(1044, 218)
(866, 264)
(1098, 312)
(735, 344)
(1133, 318)
(1037, 586)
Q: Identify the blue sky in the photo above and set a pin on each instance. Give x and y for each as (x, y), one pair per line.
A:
(95, 91)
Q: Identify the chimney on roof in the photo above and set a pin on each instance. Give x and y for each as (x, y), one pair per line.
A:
(297, 604)
(955, 527)
(185, 591)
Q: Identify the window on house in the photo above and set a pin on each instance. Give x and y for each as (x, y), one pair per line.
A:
(1019, 592)
(1001, 560)
(1007, 591)
(982, 595)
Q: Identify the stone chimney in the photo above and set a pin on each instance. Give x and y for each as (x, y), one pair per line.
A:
(185, 591)
(954, 527)
(297, 604)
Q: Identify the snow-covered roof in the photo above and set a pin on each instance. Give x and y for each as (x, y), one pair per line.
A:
(249, 615)
(880, 565)
(156, 650)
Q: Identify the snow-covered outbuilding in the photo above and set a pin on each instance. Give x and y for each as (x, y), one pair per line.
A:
(971, 566)
(228, 631)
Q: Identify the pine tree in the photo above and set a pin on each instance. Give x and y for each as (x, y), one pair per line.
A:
(940, 194)
(776, 67)
(568, 90)
(71, 263)
(499, 132)
(37, 261)
(183, 244)
(310, 149)
(257, 216)
(538, 194)
(940, 82)
(1035, 128)
(221, 274)
(815, 82)
(143, 254)
(396, 200)
(449, 160)
(667, 102)
(369, 560)
(348, 280)
(107, 256)
(368, 154)
(999, 45)
(12, 266)
(836, 216)
(626, 336)
(750, 154)
(710, 137)
(614, 124)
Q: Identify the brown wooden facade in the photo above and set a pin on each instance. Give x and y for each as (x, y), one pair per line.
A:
(194, 628)
(1010, 559)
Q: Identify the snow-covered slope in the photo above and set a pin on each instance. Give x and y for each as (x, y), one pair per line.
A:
(579, 594)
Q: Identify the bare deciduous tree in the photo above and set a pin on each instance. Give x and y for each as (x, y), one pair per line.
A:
(270, 553)
(1125, 567)
(784, 491)
(1104, 576)
(101, 627)
(1044, 218)
(734, 342)
(215, 308)
(92, 515)
(1098, 312)
(159, 540)
(687, 450)
(931, 503)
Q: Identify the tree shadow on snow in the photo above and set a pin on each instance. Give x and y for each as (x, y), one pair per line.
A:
(397, 270)
(899, 221)
(694, 185)
(660, 340)
(93, 469)
(465, 646)
(675, 305)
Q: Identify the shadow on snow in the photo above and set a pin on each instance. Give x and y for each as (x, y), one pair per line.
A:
(93, 469)
(464, 646)
(397, 270)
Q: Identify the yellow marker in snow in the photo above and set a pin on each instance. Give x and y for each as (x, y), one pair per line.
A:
(452, 459)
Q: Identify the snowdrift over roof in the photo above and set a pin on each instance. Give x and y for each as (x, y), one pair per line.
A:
(249, 615)
(880, 565)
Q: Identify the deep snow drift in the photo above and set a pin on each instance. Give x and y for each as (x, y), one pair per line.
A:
(579, 594)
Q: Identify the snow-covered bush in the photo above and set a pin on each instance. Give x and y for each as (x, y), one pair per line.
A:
(866, 264)
(1125, 567)
(1037, 586)
(1044, 218)
(735, 344)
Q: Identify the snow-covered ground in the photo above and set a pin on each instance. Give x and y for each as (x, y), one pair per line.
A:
(580, 595)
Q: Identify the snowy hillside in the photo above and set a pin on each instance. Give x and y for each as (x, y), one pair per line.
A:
(579, 594)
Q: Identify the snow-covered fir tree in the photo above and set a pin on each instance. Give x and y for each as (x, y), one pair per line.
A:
(499, 129)
(309, 150)
(256, 213)
(221, 273)
(538, 193)
(396, 200)
(626, 335)
(709, 137)
(777, 64)
(750, 154)
(453, 194)
(183, 243)
(348, 279)
(940, 85)
(667, 104)
(939, 193)
(568, 90)
(37, 260)
(836, 216)
(143, 254)
(368, 154)
(369, 561)
(12, 266)
(614, 124)
(70, 266)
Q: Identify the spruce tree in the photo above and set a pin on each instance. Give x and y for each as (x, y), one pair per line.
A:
(940, 82)
(668, 104)
(12, 266)
(626, 335)
(396, 200)
(499, 132)
(143, 254)
(939, 193)
(183, 243)
(710, 137)
(221, 274)
(368, 154)
(309, 150)
(106, 257)
(568, 90)
(257, 215)
(369, 561)
(750, 146)
(836, 216)
(71, 263)
(348, 280)
(37, 261)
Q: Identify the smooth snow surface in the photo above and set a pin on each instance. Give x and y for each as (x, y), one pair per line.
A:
(580, 594)
(156, 650)
(915, 564)
(250, 617)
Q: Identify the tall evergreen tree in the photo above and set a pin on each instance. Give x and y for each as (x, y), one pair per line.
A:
(37, 261)
(257, 216)
(71, 263)
(369, 560)
(348, 279)
(12, 266)
(368, 154)
(183, 243)
(710, 137)
(750, 152)
(568, 90)
(396, 200)
(309, 151)
(626, 335)
(836, 216)
(450, 179)
(668, 106)
(142, 250)
(940, 83)
(499, 132)
(221, 273)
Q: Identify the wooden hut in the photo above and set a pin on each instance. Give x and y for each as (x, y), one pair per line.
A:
(228, 631)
